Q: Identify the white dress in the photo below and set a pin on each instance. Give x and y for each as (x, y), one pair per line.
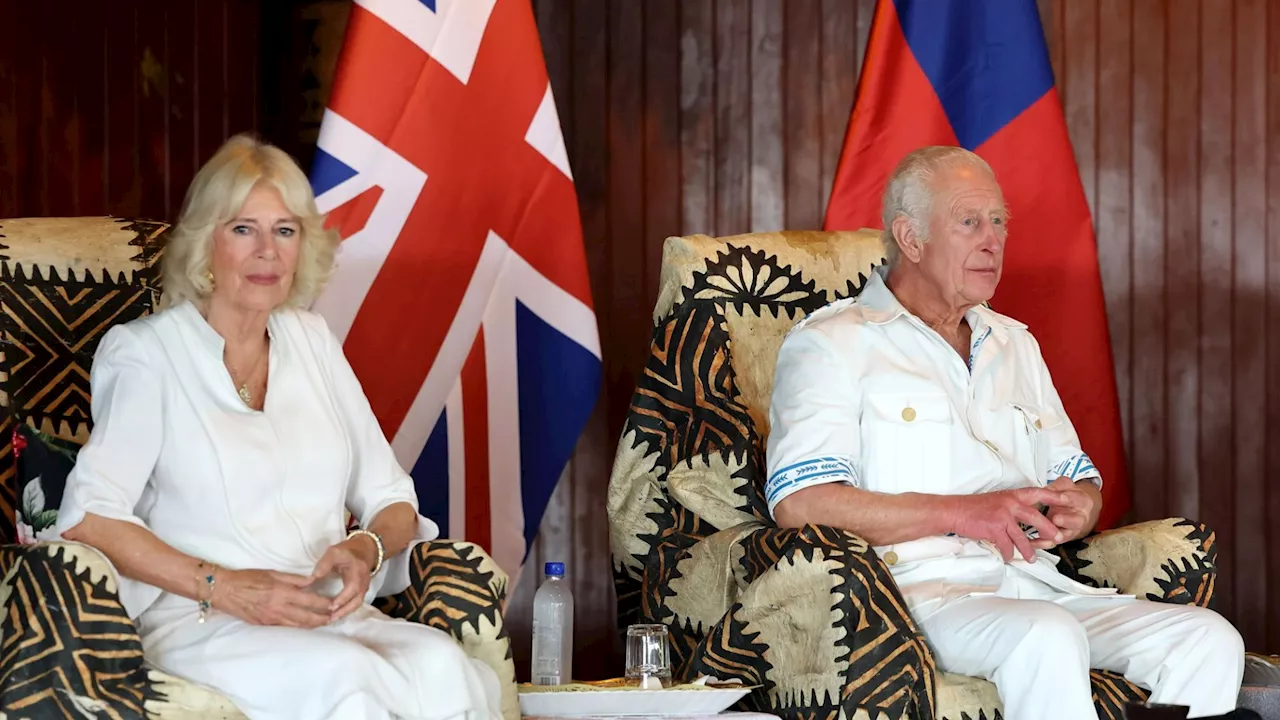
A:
(175, 450)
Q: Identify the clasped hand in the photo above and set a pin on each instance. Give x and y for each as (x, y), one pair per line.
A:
(267, 597)
(998, 517)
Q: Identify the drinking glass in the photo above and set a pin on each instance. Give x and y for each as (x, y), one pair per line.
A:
(648, 657)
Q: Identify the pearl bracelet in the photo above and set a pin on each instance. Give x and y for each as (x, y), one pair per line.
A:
(376, 541)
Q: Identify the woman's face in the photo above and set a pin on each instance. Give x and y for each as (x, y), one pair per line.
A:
(256, 253)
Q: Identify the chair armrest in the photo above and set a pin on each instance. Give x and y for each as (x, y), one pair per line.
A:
(814, 618)
(1171, 560)
(68, 642)
(456, 587)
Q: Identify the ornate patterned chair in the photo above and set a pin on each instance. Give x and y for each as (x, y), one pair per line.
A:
(810, 616)
(67, 647)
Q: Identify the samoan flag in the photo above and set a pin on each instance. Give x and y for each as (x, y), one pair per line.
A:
(461, 292)
(977, 75)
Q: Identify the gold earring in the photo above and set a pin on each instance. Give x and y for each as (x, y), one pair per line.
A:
(209, 276)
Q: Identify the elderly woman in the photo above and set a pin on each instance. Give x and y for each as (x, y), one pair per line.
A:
(229, 434)
(928, 424)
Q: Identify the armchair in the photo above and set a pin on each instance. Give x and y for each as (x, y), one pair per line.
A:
(811, 615)
(67, 647)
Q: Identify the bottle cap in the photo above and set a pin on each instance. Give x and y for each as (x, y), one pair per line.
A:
(554, 569)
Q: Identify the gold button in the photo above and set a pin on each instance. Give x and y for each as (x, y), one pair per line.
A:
(1037, 424)
(891, 558)
(908, 414)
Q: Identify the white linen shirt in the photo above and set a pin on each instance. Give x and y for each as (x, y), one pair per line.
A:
(175, 450)
(867, 395)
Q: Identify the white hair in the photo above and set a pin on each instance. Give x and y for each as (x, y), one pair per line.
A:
(216, 195)
(910, 191)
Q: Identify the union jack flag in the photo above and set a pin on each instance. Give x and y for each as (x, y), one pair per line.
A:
(461, 292)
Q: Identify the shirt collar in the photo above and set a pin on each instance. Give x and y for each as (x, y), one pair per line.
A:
(209, 338)
(880, 306)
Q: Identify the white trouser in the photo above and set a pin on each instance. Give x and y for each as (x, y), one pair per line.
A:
(1037, 645)
(366, 666)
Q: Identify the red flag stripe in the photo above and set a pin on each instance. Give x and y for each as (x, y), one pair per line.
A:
(475, 418)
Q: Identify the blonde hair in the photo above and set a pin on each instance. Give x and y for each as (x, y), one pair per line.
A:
(216, 195)
(910, 191)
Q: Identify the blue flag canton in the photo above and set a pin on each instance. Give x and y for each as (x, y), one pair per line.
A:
(986, 59)
(328, 172)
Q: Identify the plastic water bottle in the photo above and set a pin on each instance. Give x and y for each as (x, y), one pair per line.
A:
(553, 629)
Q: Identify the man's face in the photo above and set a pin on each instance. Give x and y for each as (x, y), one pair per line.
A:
(965, 253)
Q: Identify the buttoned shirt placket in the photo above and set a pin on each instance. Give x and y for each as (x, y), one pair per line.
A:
(967, 374)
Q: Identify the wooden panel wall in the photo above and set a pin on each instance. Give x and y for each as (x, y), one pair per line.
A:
(722, 116)
(111, 107)
(1174, 113)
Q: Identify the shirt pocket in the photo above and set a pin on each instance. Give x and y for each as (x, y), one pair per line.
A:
(909, 443)
(1031, 432)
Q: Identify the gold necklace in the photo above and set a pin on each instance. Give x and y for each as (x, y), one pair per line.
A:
(243, 391)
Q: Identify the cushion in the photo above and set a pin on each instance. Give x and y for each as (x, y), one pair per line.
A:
(961, 697)
(41, 465)
(63, 283)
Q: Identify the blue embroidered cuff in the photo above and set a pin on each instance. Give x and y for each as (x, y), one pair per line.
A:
(816, 471)
(1077, 467)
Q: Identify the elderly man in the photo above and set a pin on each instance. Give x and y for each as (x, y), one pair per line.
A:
(928, 424)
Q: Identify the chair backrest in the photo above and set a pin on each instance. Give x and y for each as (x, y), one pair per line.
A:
(691, 456)
(63, 283)
(764, 284)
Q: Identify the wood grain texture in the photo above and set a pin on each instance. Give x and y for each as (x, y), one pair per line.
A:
(661, 135)
(802, 108)
(767, 145)
(1113, 215)
(1147, 463)
(181, 153)
(10, 149)
(733, 113)
(721, 116)
(1078, 82)
(153, 73)
(1182, 268)
(113, 112)
(1270, 149)
(59, 120)
(1180, 127)
(697, 115)
(209, 96)
(243, 62)
(628, 331)
(1249, 315)
(1215, 500)
(30, 167)
(839, 80)
(90, 137)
